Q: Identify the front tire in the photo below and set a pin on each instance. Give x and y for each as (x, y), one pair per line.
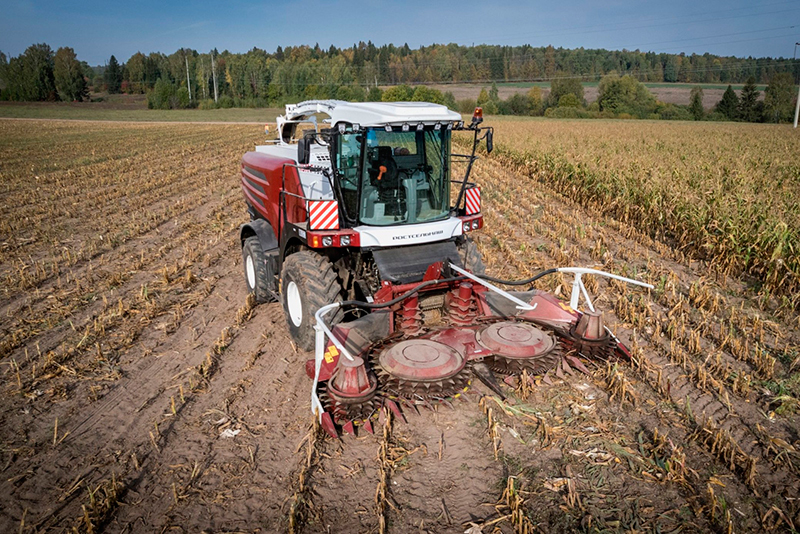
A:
(256, 274)
(308, 282)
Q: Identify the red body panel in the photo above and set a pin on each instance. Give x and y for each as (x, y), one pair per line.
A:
(262, 177)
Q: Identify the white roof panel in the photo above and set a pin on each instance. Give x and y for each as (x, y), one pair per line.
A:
(373, 113)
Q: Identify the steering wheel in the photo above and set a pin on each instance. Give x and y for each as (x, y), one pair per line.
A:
(409, 173)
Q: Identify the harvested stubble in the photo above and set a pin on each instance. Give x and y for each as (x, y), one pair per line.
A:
(101, 502)
(385, 468)
(492, 426)
(711, 334)
(391, 455)
(512, 498)
(301, 505)
(74, 259)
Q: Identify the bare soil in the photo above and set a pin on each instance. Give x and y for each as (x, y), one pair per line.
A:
(142, 392)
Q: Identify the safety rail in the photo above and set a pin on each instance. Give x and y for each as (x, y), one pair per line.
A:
(321, 331)
(579, 289)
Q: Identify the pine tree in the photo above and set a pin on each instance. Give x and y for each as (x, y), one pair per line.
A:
(113, 75)
(729, 105)
(483, 97)
(494, 93)
(748, 105)
(549, 61)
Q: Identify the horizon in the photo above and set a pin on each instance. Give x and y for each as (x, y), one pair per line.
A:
(97, 31)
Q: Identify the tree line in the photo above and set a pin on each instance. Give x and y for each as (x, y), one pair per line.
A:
(39, 74)
(188, 78)
(625, 97)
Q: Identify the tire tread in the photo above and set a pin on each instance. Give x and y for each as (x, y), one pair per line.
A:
(319, 285)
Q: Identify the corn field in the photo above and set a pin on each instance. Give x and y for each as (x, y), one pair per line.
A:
(727, 194)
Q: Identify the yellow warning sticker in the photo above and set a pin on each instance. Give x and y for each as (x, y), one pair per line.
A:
(331, 353)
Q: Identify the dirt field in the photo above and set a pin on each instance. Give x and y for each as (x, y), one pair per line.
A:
(141, 392)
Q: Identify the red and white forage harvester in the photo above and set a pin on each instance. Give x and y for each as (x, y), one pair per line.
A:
(359, 228)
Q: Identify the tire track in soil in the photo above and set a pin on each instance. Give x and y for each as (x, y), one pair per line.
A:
(98, 439)
(426, 493)
(135, 404)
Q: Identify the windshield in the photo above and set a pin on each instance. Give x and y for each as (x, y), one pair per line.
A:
(404, 178)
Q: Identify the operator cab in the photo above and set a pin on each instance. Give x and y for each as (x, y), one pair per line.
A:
(387, 164)
(379, 172)
(403, 177)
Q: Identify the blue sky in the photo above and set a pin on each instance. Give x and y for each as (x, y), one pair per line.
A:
(98, 29)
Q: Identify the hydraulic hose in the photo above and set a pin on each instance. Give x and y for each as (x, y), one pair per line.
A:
(401, 298)
(423, 285)
(517, 282)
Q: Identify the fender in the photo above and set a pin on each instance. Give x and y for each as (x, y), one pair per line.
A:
(261, 229)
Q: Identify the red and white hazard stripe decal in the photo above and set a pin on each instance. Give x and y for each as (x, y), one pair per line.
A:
(473, 200)
(323, 215)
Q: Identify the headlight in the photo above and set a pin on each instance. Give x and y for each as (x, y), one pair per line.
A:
(467, 226)
(345, 240)
(327, 241)
(475, 224)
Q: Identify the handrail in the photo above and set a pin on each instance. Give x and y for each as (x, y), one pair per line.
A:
(579, 289)
(283, 191)
(520, 304)
(321, 330)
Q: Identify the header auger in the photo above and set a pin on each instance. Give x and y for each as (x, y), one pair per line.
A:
(353, 229)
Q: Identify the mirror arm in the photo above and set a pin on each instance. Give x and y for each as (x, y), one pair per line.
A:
(472, 159)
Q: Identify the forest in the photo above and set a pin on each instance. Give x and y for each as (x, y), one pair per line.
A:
(257, 78)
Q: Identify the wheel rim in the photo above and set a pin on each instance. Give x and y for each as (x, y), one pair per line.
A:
(250, 270)
(294, 304)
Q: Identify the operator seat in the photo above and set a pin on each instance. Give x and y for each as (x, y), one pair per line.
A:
(384, 158)
(387, 183)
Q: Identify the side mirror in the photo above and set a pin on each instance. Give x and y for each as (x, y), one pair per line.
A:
(489, 141)
(303, 152)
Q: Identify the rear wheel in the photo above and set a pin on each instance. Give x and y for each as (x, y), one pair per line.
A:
(256, 273)
(308, 282)
(473, 260)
